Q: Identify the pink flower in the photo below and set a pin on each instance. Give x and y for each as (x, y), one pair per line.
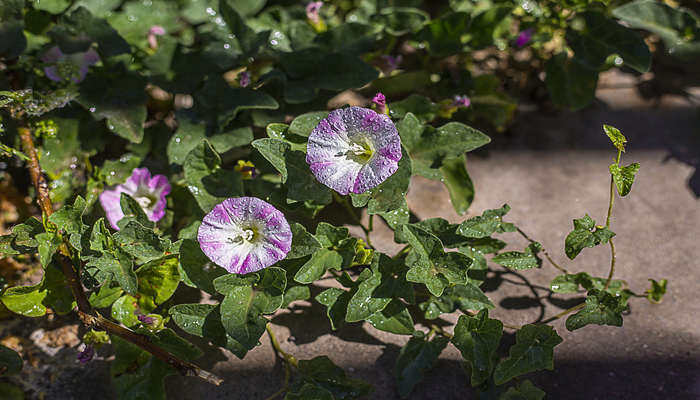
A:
(312, 10)
(87, 354)
(379, 102)
(148, 192)
(156, 30)
(244, 79)
(524, 37)
(461, 101)
(68, 66)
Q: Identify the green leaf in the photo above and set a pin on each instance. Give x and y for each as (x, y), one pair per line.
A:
(245, 302)
(114, 172)
(106, 295)
(140, 242)
(570, 83)
(624, 177)
(13, 42)
(569, 283)
(305, 123)
(336, 301)
(302, 184)
(330, 235)
(321, 261)
(51, 6)
(677, 26)
(47, 245)
(394, 318)
(10, 361)
(657, 291)
(195, 267)
(462, 297)
(524, 391)
(488, 223)
(249, 40)
(520, 260)
(69, 218)
(390, 195)
(184, 140)
(80, 28)
(138, 375)
(118, 264)
(458, 183)
(125, 310)
(32, 301)
(388, 281)
(603, 37)
(303, 243)
(321, 379)
(421, 110)
(274, 151)
(415, 358)
(157, 281)
(430, 264)
(208, 182)
(616, 137)
(24, 235)
(121, 101)
(602, 308)
(533, 350)
(477, 338)
(204, 320)
(585, 234)
(223, 103)
(444, 34)
(132, 212)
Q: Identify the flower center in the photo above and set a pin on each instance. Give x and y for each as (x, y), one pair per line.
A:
(248, 235)
(145, 201)
(360, 151)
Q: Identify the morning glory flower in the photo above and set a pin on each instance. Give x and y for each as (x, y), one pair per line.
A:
(391, 63)
(244, 234)
(68, 66)
(148, 191)
(312, 14)
(87, 354)
(461, 101)
(353, 150)
(244, 79)
(524, 37)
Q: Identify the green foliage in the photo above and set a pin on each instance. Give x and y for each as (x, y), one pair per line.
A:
(533, 350)
(222, 104)
(585, 234)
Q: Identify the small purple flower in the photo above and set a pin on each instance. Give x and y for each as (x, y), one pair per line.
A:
(244, 234)
(87, 354)
(353, 150)
(524, 37)
(148, 192)
(379, 102)
(312, 10)
(153, 33)
(146, 320)
(461, 101)
(391, 62)
(68, 66)
(244, 79)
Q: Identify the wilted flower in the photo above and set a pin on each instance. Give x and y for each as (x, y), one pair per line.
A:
(153, 33)
(244, 79)
(461, 101)
(246, 168)
(312, 14)
(524, 37)
(353, 150)
(391, 62)
(145, 319)
(87, 354)
(379, 103)
(68, 66)
(244, 234)
(148, 192)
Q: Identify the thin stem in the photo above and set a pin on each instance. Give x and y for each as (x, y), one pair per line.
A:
(402, 251)
(563, 313)
(612, 264)
(88, 316)
(544, 251)
(612, 192)
(370, 226)
(286, 356)
(438, 329)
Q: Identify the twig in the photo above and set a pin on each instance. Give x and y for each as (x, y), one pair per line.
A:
(544, 251)
(88, 316)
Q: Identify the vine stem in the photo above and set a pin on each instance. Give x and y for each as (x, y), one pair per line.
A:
(544, 251)
(288, 360)
(563, 313)
(607, 223)
(88, 316)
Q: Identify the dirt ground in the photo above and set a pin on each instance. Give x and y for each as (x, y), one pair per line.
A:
(550, 168)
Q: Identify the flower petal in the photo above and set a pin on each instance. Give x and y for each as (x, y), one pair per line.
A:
(109, 199)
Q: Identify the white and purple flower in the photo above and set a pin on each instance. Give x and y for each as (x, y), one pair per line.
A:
(244, 234)
(353, 150)
(379, 103)
(68, 66)
(148, 191)
(153, 33)
(524, 37)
